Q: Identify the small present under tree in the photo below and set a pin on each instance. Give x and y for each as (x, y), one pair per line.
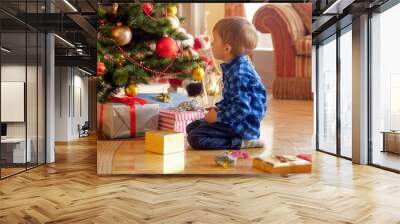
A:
(141, 41)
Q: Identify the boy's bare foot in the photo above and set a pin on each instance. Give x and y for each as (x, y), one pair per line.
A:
(257, 143)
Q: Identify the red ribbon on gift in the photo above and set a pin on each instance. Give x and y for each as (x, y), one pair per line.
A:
(130, 101)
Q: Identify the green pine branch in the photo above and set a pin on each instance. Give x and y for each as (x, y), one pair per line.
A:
(146, 30)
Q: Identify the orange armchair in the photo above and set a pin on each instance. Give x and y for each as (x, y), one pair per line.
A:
(290, 28)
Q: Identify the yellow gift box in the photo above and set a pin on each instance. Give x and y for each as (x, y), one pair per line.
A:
(165, 164)
(164, 141)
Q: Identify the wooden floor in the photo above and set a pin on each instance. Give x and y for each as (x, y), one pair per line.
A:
(287, 129)
(70, 191)
(11, 170)
(386, 159)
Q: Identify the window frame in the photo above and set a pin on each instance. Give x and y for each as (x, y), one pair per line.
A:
(334, 36)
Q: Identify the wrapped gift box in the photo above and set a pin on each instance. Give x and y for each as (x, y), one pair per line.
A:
(177, 98)
(273, 164)
(117, 119)
(164, 164)
(164, 142)
(178, 120)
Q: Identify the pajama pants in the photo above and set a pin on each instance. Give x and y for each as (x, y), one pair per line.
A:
(203, 135)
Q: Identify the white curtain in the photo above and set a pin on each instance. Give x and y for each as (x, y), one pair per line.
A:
(195, 22)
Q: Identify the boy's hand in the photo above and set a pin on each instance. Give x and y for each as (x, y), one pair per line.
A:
(211, 116)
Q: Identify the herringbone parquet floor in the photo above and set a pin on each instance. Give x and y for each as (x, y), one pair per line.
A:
(69, 191)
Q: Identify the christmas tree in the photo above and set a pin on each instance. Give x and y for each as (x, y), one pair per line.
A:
(140, 41)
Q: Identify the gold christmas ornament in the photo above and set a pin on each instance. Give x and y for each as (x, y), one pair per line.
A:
(121, 60)
(131, 90)
(174, 21)
(171, 10)
(164, 97)
(198, 74)
(121, 34)
(114, 8)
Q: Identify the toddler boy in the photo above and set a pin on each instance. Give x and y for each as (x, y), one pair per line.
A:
(235, 122)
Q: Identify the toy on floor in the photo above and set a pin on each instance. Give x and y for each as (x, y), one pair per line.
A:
(228, 159)
(285, 159)
(192, 105)
(305, 156)
(283, 164)
(239, 154)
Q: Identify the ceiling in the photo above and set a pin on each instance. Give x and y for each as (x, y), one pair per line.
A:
(39, 6)
(72, 20)
(330, 15)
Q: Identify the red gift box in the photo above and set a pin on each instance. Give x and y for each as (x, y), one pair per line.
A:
(178, 120)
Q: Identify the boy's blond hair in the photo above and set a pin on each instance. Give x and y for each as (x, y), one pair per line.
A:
(238, 32)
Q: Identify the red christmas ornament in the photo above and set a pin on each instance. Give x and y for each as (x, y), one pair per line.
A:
(101, 68)
(167, 47)
(101, 22)
(147, 8)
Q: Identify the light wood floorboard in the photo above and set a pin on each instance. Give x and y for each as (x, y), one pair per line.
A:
(70, 191)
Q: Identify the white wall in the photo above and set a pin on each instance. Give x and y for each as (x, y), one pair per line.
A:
(14, 73)
(61, 110)
(265, 66)
(34, 125)
(71, 94)
(80, 103)
(11, 73)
